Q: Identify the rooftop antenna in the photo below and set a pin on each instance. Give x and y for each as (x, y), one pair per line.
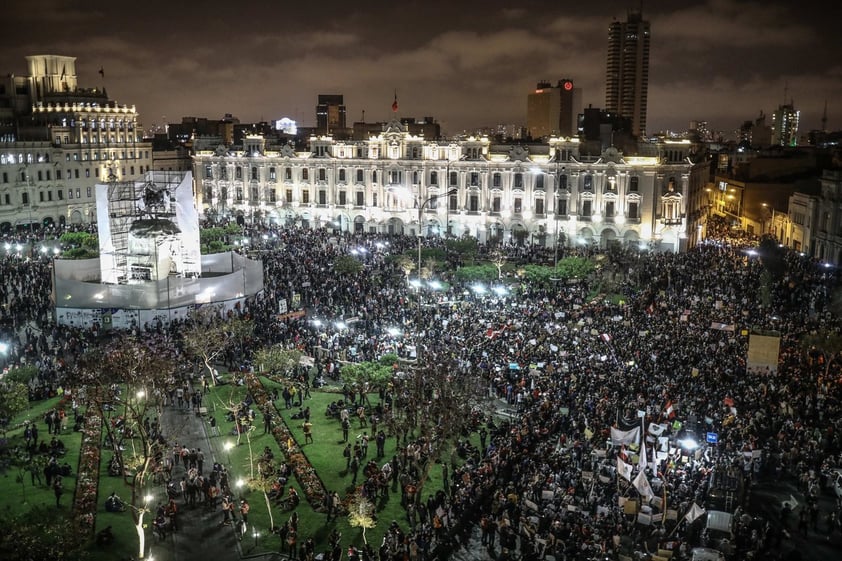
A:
(824, 117)
(363, 119)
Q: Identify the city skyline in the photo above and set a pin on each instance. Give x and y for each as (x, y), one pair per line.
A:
(468, 65)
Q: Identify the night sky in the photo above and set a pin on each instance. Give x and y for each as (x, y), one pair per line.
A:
(467, 63)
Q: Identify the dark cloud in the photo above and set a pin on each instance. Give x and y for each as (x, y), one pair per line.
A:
(466, 63)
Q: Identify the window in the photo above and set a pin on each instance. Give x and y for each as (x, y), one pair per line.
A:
(254, 173)
(6, 177)
(288, 174)
(518, 206)
(609, 209)
(434, 178)
(415, 178)
(60, 195)
(239, 195)
(24, 198)
(633, 212)
(395, 177)
(587, 205)
(374, 177)
(40, 175)
(238, 172)
(474, 179)
(132, 168)
(561, 206)
(495, 204)
(305, 197)
(539, 182)
(288, 195)
(473, 203)
(588, 183)
(360, 198)
(88, 194)
(496, 180)
(342, 175)
(360, 176)
(343, 198)
(518, 184)
(305, 174)
(454, 179)
(273, 197)
(208, 194)
(49, 195)
(255, 196)
(322, 197)
(451, 204)
(87, 172)
(539, 206)
(7, 199)
(374, 199)
(76, 173)
(70, 194)
(208, 172)
(96, 172)
(634, 184)
(40, 196)
(322, 174)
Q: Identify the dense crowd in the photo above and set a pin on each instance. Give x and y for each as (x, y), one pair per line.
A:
(562, 367)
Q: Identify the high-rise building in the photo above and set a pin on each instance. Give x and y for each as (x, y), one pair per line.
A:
(627, 70)
(553, 110)
(59, 140)
(330, 113)
(785, 125)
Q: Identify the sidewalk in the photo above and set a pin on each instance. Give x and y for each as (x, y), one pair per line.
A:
(199, 534)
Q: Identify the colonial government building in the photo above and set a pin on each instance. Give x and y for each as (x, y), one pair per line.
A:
(399, 183)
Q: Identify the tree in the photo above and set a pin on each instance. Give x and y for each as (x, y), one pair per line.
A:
(125, 381)
(436, 404)
(361, 515)
(477, 273)
(405, 263)
(14, 398)
(364, 377)
(277, 361)
(21, 374)
(827, 343)
(40, 533)
(498, 258)
(203, 337)
(345, 265)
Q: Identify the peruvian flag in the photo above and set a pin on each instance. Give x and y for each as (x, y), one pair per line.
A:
(395, 103)
(605, 337)
(669, 410)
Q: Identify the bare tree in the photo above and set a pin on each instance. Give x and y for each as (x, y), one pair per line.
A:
(126, 381)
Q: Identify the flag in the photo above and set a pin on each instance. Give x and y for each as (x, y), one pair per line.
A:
(642, 485)
(656, 429)
(395, 103)
(624, 469)
(102, 71)
(669, 410)
(641, 462)
(694, 512)
(605, 337)
(625, 436)
(63, 71)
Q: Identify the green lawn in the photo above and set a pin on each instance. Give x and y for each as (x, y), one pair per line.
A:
(17, 494)
(325, 454)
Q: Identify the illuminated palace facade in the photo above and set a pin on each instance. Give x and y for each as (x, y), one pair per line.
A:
(397, 183)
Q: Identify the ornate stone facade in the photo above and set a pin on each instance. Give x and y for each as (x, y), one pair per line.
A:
(399, 183)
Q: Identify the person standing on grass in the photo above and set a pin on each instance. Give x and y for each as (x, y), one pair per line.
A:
(308, 432)
(58, 489)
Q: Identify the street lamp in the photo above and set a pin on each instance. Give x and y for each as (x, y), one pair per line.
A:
(421, 208)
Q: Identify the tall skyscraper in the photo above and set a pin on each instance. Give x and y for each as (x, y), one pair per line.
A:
(553, 110)
(785, 125)
(330, 113)
(627, 70)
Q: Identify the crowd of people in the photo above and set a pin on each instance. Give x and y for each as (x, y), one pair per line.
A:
(563, 367)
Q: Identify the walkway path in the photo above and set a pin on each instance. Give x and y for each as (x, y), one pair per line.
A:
(200, 535)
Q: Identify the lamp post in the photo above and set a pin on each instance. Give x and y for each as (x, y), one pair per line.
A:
(421, 208)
